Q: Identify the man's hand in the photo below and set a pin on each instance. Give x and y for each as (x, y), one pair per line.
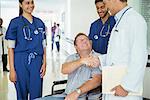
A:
(120, 91)
(72, 96)
(91, 61)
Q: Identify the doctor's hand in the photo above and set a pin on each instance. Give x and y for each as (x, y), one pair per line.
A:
(72, 96)
(120, 91)
(12, 76)
(43, 70)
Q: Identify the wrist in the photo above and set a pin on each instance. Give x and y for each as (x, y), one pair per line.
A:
(78, 91)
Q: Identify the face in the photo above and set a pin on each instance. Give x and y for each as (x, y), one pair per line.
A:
(82, 43)
(110, 4)
(101, 9)
(27, 6)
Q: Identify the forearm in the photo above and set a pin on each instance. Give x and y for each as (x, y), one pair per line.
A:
(11, 58)
(69, 67)
(91, 84)
(44, 56)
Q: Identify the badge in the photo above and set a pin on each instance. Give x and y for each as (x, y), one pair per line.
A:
(95, 37)
(36, 32)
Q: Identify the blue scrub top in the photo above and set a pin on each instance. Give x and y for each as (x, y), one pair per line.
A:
(97, 29)
(20, 27)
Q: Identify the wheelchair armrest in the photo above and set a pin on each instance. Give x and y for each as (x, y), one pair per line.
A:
(59, 82)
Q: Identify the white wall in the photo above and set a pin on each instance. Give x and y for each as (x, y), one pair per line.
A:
(82, 13)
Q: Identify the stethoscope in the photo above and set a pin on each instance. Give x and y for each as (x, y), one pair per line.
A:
(27, 31)
(116, 26)
(101, 31)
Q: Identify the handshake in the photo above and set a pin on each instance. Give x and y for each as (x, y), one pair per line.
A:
(91, 61)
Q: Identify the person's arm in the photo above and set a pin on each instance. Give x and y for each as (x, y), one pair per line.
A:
(69, 67)
(12, 76)
(91, 84)
(87, 86)
(43, 68)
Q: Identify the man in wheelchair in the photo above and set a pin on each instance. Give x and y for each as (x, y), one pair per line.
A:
(83, 72)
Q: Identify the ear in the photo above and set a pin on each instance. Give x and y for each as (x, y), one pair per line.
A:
(91, 42)
(75, 47)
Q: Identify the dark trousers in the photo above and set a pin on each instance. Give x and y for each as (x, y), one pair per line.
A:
(4, 60)
(58, 46)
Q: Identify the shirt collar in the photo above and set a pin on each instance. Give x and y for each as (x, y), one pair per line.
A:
(119, 14)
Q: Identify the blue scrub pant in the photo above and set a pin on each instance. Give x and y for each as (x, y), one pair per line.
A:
(28, 76)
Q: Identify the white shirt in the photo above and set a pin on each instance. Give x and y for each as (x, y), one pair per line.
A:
(129, 46)
(3, 31)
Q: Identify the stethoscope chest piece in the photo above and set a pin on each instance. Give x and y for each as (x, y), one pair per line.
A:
(36, 32)
(95, 37)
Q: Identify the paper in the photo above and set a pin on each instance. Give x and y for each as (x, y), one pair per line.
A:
(112, 76)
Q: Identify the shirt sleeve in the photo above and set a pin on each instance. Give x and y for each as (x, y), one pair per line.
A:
(11, 43)
(96, 70)
(11, 33)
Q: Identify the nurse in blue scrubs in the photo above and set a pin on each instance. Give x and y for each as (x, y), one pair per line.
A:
(101, 28)
(27, 52)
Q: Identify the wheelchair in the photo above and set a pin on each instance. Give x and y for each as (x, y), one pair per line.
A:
(94, 92)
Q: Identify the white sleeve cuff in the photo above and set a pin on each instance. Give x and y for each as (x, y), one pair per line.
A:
(11, 43)
(44, 43)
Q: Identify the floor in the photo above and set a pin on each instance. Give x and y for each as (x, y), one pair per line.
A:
(54, 62)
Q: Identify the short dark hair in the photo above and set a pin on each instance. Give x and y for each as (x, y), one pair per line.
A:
(123, 0)
(96, 1)
(79, 34)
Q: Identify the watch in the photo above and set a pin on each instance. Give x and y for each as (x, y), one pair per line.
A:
(78, 91)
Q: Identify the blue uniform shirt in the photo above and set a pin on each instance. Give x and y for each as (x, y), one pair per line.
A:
(100, 33)
(28, 36)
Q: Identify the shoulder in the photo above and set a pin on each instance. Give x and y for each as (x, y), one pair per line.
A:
(15, 20)
(72, 57)
(38, 20)
(95, 22)
(112, 18)
(135, 17)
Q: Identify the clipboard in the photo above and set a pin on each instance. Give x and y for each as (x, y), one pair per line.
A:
(112, 76)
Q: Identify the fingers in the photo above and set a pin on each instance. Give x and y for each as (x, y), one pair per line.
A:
(113, 89)
(42, 71)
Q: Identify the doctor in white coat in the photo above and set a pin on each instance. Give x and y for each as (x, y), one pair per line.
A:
(127, 45)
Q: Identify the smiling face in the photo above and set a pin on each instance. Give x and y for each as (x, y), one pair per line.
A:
(82, 43)
(101, 9)
(27, 6)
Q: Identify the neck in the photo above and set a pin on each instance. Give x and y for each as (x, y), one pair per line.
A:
(104, 19)
(122, 5)
(84, 53)
(28, 17)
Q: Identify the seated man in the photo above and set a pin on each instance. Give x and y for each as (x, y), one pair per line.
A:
(82, 69)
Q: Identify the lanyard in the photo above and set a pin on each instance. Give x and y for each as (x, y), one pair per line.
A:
(120, 19)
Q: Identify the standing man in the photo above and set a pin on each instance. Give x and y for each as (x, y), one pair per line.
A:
(57, 37)
(3, 45)
(53, 29)
(101, 28)
(127, 46)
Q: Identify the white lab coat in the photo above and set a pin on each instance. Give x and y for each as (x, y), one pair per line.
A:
(3, 31)
(128, 46)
